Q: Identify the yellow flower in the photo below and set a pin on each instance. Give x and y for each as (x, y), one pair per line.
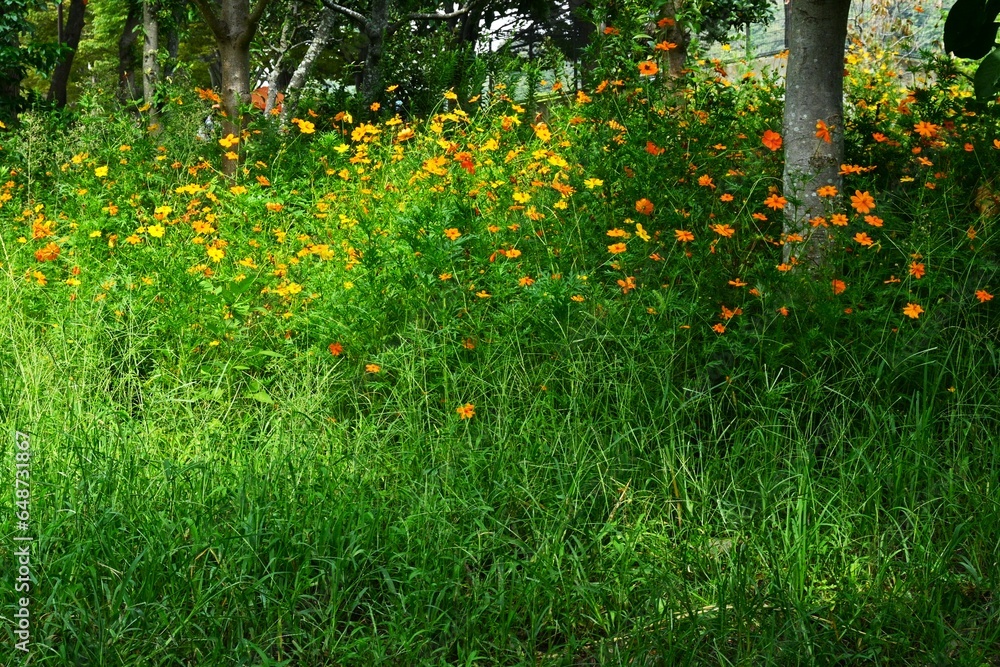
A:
(101, 172)
(216, 254)
(229, 141)
(156, 231)
(238, 190)
(466, 411)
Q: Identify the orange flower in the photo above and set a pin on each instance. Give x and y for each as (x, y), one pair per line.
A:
(822, 131)
(839, 286)
(838, 220)
(983, 296)
(772, 140)
(466, 411)
(617, 248)
(913, 310)
(926, 130)
(452, 233)
(653, 149)
(718, 328)
(863, 239)
(971, 233)
(726, 197)
(648, 68)
(827, 191)
(784, 267)
(644, 206)
(706, 181)
(784, 311)
(917, 270)
(372, 368)
(723, 230)
(683, 236)
(47, 253)
(737, 283)
(665, 46)
(862, 201)
(336, 349)
(775, 201)
(873, 220)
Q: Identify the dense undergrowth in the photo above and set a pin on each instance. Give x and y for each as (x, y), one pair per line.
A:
(508, 385)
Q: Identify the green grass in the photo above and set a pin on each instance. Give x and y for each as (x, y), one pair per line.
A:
(630, 513)
(811, 481)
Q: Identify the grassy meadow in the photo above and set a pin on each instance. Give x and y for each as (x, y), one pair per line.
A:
(506, 385)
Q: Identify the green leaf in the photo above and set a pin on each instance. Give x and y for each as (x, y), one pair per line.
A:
(262, 397)
(987, 77)
(970, 31)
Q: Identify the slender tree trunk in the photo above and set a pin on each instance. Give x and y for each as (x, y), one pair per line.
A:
(150, 65)
(234, 25)
(71, 37)
(371, 77)
(676, 34)
(235, 57)
(301, 75)
(177, 19)
(127, 61)
(284, 43)
(814, 91)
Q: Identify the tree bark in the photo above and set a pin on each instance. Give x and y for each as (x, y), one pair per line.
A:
(234, 26)
(235, 93)
(301, 75)
(277, 67)
(676, 34)
(814, 91)
(150, 65)
(371, 77)
(74, 28)
(127, 61)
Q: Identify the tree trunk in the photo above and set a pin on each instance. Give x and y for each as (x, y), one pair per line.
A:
(814, 91)
(178, 17)
(74, 28)
(127, 61)
(235, 58)
(371, 77)
(150, 65)
(301, 75)
(284, 43)
(234, 25)
(675, 33)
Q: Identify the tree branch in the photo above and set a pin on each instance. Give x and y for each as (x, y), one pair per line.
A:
(349, 13)
(437, 17)
(210, 18)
